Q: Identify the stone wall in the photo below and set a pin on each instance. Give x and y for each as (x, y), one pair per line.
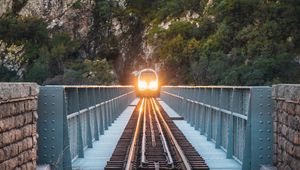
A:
(18, 117)
(287, 126)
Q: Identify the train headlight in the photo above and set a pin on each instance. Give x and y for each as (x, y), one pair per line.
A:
(153, 85)
(142, 85)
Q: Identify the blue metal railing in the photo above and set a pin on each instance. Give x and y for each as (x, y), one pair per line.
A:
(72, 117)
(237, 119)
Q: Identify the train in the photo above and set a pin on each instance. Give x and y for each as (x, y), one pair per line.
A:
(147, 84)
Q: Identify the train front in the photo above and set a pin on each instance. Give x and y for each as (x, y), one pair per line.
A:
(148, 85)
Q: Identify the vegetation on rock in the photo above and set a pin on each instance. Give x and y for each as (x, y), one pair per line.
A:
(207, 42)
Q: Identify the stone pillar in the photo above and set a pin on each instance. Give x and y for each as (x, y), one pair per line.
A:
(18, 132)
(286, 126)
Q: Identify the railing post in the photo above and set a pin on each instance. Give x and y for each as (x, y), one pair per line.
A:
(73, 106)
(219, 119)
(230, 126)
(209, 114)
(106, 117)
(94, 103)
(197, 116)
(192, 122)
(99, 110)
(188, 110)
(79, 129)
(88, 119)
(202, 120)
(108, 107)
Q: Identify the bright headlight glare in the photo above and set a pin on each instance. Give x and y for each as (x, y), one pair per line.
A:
(153, 85)
(142, 85)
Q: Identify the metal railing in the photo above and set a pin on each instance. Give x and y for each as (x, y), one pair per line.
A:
(237, 119)
(72, 117)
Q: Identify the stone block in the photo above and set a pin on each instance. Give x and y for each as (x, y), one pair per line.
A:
(34, 89)
(287, 159)
(294, 122)
(19, 121)
(18, 134)
(31, 105)
(14, 150)
(30, 165)
(27, 130)
(7, 138)
(275, 129)
(275, 159)
(295, 164)
(292, 92)
(12, 163)
(4, 112)
(22, 158)
(28, 142)
(297, 152)
(296, 138)
(28, 117)
(20, 107)
(9, 91)
(35, 116)
(24, 167)
(2, 156)
(7, 124)
(291, 108)
(3, 165)
(274, 91)
(284, 130)
(290, 148)
(279, 91)
(297, 109)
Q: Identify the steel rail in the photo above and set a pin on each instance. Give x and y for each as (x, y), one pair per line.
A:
(177, 146)
(152, 129)
(163, 138)
(143, 154)
(134, 141)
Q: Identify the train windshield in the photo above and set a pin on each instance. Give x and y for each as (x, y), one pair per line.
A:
(148, 76)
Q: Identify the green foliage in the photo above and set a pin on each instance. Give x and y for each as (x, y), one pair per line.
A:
(17, 5)
(234, 42)
(42, 56)
(77, 5)
(7, 75)
(19, 30)
(39, 71)
(90, 72)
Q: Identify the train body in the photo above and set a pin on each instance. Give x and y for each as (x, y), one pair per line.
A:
(147, 84)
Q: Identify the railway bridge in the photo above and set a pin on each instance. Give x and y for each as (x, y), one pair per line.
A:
(187, 127)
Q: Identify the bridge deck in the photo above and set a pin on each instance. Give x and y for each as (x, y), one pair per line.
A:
(215, 158)
(95, 158)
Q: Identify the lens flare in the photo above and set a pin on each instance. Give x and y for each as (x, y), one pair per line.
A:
(142, 85)
(153, 85)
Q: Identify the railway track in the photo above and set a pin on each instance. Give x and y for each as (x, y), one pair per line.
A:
(151, 140)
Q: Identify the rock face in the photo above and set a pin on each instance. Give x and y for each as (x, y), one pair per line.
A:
(4, 6)
(18, 130)
(76, 17)
(63, 15)
(286, 126)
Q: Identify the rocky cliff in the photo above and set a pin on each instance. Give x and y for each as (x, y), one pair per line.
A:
(100, 33)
